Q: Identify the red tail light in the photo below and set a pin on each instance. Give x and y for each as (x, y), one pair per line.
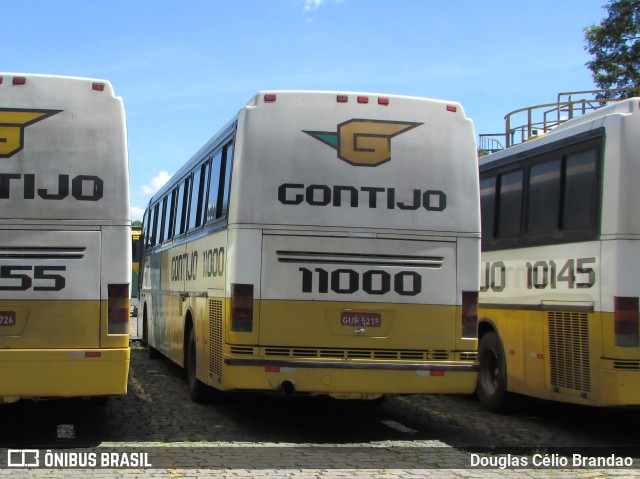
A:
(626, 322)
(469, 314)
(242, 308)
(118, 306)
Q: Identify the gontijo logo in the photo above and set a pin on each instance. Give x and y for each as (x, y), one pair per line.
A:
(12, 125)
(363, 142)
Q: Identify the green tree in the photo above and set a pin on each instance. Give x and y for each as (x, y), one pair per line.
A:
(615, 48)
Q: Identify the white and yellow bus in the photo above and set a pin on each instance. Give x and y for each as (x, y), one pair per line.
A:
(65, 238)
(322, 243)
(561, 264)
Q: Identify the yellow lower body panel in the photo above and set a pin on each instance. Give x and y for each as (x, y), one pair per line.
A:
(63, 373)
(620, 388)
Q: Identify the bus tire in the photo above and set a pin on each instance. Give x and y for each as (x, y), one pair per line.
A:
(198, 391)
(492, 376)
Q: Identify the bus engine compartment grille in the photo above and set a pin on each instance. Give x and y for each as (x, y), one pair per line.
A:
(569, 350)
(215, 339)
(380, 354)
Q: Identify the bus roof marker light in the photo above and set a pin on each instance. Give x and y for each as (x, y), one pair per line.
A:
(342, 98)
(363, 99)
(452, 108)
(19, 80)
(270, 97)
(1, 80)
(97, 86)
(383, 101)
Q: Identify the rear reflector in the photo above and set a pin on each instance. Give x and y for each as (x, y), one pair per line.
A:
(626, 322)
(97, 86)
(19, 81)
(363, 99)
(241, 308)
(270, 97)
(469, 314)
(118, 307)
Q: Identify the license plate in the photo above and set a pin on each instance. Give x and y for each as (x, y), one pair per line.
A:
(7, 318)
(360, 320)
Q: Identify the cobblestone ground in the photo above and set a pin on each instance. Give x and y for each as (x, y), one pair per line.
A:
(261, 436)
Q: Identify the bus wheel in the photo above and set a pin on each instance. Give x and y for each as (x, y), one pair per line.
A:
(492, 377)
(197, 389)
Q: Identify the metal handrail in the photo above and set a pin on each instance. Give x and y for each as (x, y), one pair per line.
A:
(553, 115)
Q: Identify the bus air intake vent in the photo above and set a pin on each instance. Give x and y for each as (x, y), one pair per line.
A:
(627, 365)
(469, 356)
(375, 354)
(569, 350)
(242, 350)
(215, 339)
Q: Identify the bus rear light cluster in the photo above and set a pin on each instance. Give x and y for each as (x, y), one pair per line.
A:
(241, 308)
(469, 314)
(118, 309)
(626, 321)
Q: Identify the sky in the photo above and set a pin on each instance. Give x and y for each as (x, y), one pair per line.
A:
(185, 67)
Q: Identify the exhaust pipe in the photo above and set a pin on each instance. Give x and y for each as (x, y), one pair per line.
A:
(288, 387)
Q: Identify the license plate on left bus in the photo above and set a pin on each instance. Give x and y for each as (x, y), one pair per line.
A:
(7, 318)
(360, 319)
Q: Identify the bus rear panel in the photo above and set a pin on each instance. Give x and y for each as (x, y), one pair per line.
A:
(348, 261)
(64, 238)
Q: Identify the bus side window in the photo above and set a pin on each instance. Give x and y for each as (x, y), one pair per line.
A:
(197, 193)
(543, 215)
(214, 187)
(169, 217)
(223, 208)
(510, 204)
(181, 205)
(147, 231)
(580, 190)
(163, 213)
(488, 207)
(154, 226)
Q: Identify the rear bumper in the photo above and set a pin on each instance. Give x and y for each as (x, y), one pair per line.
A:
(36, 373)
(351, 377)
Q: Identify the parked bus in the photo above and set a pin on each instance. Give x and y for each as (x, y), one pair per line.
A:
(65, 238)
(321, 243)
(561, 264)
